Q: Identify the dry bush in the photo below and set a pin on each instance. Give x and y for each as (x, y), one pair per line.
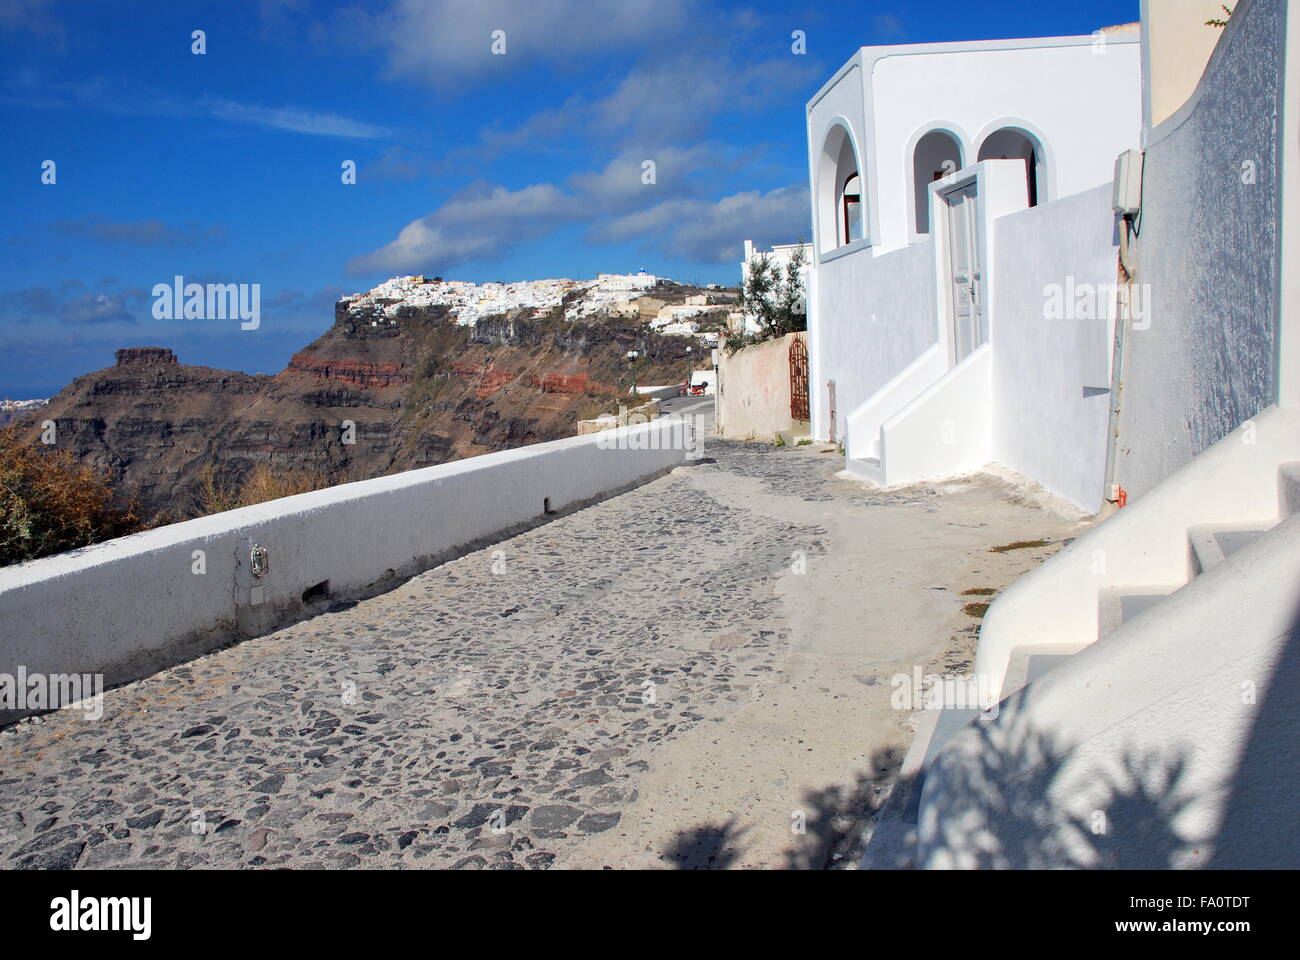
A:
(262, 484)
(50, 503)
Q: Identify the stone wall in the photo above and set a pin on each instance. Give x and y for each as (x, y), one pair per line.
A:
(754, 390)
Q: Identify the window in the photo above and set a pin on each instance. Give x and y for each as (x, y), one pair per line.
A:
(852, 204)
(1011, 143)
(841, 200)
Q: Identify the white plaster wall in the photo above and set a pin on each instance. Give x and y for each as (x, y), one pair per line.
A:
(1049, 419)
(124, 607)
(873, 317)
(1085, 105)
(1208, 250)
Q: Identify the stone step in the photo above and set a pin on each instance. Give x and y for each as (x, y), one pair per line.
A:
(1029, 661)
(1212, 543)
(865, 469)
(1116, 606)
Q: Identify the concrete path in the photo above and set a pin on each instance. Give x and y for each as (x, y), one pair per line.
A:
(692, 674)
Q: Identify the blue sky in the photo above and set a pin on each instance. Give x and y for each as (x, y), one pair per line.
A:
(226, 166)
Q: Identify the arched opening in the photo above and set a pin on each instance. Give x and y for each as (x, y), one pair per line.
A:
(1010, 143)
(937, 155)
(841, 201)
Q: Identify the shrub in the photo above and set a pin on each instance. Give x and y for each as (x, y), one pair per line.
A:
(50, 503)
(261, 485)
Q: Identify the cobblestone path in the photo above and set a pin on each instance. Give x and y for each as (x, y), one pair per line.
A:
(501, 711)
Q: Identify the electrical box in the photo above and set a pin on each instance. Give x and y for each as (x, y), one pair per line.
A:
(1128, 183)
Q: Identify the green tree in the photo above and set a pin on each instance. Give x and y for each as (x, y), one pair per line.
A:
(775, 300)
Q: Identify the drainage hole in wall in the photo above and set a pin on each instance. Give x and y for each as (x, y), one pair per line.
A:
(320, 591)
(546, 505)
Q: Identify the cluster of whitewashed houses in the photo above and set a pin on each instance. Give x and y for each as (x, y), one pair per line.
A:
(1076, 257)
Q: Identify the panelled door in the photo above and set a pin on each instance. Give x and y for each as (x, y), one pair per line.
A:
(965, 271)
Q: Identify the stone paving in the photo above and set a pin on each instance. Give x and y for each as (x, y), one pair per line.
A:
(500, 711)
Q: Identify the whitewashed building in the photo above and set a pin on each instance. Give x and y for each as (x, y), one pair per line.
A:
(1144, 675)
(951, 185)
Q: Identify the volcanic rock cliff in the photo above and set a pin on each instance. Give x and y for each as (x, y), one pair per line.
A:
(378, 393)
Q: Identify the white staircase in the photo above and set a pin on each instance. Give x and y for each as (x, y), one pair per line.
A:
(1200, 536)
(1210, 545)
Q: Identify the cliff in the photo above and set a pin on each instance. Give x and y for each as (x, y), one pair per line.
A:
(380, 392)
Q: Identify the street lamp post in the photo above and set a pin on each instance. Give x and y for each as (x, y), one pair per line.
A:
(689, 369)
(631, 363)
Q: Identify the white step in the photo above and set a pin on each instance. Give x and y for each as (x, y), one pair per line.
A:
(935, 729)
(1116, 606)
(1029, 661)
(1212, 543)
(866, 469)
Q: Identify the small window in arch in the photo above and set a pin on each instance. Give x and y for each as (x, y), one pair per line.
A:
(852, 208)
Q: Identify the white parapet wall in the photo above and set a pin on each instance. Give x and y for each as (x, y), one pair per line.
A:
(126, 607)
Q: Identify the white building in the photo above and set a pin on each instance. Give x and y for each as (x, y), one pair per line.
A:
(1144, 676)
(951, 185)
(628, 281)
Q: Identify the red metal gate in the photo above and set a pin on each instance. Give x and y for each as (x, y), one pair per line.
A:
(798, 380)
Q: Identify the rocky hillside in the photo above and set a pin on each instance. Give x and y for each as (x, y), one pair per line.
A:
(391, 386)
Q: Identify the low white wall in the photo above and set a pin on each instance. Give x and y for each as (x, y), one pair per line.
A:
(125, 607)
(945, 431)
(1049, 413)
(874, 316)
(1166, 745)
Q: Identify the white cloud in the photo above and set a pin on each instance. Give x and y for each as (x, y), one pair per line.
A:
(486, 222)
(449, 42)
(665, 100)
(714, 231)
(480, 222)
(296, 120)
(29, 89)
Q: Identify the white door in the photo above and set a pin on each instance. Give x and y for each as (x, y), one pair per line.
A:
(964, 269)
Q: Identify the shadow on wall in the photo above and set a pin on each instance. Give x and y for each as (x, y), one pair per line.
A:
(1021, 828)
(1261, 810)
(997, 807)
